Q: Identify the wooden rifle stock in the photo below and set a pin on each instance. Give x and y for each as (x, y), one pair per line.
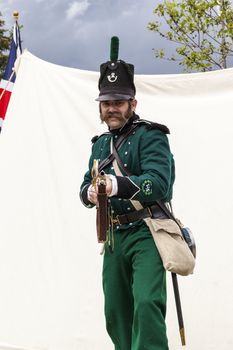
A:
(102, 211)
(102, 220)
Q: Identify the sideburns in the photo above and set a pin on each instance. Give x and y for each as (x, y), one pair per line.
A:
(101, 116)
(129, 111)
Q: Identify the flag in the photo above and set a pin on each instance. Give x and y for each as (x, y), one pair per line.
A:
(8, 79)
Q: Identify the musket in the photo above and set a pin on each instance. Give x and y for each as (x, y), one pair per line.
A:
(102, 220)
(178, 308)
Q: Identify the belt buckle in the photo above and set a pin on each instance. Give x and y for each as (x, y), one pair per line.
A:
(150, 212)
(115, 220)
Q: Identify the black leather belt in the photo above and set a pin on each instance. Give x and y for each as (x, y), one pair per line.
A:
(153, 211)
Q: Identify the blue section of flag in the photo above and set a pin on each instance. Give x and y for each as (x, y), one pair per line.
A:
(15, 51)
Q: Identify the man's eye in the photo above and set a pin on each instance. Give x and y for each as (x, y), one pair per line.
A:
(114, 104)
(119, 103)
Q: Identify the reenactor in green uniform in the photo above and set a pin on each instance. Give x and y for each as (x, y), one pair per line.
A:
(134, 280)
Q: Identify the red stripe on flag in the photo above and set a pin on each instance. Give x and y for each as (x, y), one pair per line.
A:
(4, 102)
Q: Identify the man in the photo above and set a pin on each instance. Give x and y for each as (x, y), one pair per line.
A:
(134, 280)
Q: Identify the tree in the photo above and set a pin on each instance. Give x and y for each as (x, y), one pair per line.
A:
(5, 40)
(202, 30)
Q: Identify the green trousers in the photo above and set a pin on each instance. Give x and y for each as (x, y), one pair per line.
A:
(134, 284)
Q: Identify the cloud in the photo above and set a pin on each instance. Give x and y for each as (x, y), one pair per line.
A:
(85, 47)
(77, 8)
(127, 13)
(131, 10)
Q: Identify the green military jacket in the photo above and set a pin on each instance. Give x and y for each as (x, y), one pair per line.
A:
(147, 156)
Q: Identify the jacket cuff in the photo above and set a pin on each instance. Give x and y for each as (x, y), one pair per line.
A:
(127, 189)
(84, 197)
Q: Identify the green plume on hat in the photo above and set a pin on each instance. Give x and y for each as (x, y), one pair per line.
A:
(114, 48)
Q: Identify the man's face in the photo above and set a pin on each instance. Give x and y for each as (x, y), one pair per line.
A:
(116, 113)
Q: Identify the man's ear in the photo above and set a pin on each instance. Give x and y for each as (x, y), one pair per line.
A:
(133, 104)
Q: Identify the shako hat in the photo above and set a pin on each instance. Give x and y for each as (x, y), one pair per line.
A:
(116, 80)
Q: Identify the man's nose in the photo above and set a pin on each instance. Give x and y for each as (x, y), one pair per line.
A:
(112, 108)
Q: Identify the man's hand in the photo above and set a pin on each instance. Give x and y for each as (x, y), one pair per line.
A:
(92, 194)
(108, 185)
(92, 190)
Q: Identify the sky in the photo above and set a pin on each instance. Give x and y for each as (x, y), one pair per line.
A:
(78, 33)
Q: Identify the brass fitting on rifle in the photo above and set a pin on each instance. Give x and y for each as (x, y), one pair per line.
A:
(97, 178)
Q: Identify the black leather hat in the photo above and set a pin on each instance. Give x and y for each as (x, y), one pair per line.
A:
(116, 80)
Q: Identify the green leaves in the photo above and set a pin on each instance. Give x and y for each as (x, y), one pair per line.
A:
(159, 53)
(4, 46)
(153, 26)
(202, 30)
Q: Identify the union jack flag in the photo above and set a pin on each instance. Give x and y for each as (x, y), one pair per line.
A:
(8, 79)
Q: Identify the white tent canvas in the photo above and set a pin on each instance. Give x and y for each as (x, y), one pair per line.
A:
(50, 266)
